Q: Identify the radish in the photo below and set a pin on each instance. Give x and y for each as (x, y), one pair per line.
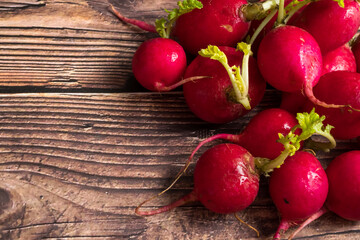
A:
(298, 189)
(159, 64)
(226, 173)
(340, 59)
(343, 198)
(293, 102)
(332, 23)
(344, 185)
(279, 139)
(217, 23)
(346, 92)
(227, 93)
(355, 47)
(261, 129)
(198, 24)
(225, 181)
(290, 60)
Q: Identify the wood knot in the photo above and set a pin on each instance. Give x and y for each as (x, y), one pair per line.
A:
(5, 200)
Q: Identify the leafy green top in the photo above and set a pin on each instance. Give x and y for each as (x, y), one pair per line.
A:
(310, 124)
(164, 26)
(240, 85)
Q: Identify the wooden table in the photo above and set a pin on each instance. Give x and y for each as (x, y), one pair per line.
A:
(82, 144)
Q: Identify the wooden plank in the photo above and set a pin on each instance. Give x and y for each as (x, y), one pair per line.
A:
(74, 45)
(75, 166)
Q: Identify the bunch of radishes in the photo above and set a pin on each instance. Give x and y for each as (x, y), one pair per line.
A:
(222, 53)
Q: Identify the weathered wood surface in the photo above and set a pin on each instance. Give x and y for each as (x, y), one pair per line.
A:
(82, 144)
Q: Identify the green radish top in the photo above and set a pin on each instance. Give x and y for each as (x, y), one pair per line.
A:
(164, 26)
(238, 78)
(310, 124)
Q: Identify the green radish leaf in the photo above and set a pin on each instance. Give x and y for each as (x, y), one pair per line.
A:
(234, 72)
(341, 3)
(310, 124)
(244, 47)
(164, 26)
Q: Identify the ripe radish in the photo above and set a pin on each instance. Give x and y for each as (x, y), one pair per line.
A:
(344, 185)
(298, 189)
(217, 23)
(224, 95)
(271, 142)
(340, 59)
(343, 198)
(332, 23)
(293, 102)
(225, 181)
(355, 47)
(290, 60)
(159, 64)
(198, 24)
(261, 129)
(340, 87)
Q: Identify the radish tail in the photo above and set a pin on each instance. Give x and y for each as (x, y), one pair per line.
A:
(283, 227)
(178, 84)
(187, 198)
(191, 196)
(312, 218)
(230, 137)
(248, 225)
(140, 24)
(310, 95)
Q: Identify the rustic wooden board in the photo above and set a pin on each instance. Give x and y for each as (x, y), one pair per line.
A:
(82, 144)
(74, 45)
(76, 166)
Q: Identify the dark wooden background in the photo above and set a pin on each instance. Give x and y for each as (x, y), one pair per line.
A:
(82, 144)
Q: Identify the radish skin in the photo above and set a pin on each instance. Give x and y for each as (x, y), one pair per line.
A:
(217, 23)
(213, 99)
(331, 25)
(225, 181)
(298, 189)
(340, 87)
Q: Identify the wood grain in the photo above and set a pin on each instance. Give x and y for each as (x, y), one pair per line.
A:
(75, 45)
(75, 166)
(82, 144)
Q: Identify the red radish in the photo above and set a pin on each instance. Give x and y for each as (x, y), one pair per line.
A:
(290, 60)
(355, 47)
(340, 59)
(340, 87)
(274, 134)
(330, 24)
(344, 185)
(262, 131)
(213, 99)
(225, 181)
(217, 23)
(159, 63)
(298, 189)
(293, 102)
(343, 198)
